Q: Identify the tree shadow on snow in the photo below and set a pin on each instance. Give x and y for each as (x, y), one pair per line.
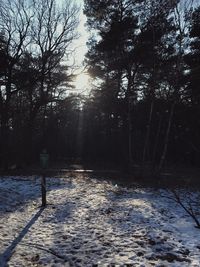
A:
(17, 192)
(7, 254)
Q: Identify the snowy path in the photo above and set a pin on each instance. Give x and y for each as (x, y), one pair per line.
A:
(92, 223)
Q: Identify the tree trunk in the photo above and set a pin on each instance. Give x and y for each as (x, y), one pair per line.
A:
(166, 140)
(5, 138)
(156, 140)
(130, 140)
(29, 148)
(146, 144)
(130, 99)
(130, 156)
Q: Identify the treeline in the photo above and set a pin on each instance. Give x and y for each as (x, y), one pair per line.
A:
(144, 57)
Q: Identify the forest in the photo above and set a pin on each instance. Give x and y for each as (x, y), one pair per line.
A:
(101, 172)
(143, 106)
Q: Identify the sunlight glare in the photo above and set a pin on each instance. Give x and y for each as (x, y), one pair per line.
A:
(82, 82)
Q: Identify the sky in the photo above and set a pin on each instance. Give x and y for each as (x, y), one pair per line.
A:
(80, 51)
(80, 43)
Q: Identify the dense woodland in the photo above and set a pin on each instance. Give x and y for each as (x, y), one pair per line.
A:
(144, 62)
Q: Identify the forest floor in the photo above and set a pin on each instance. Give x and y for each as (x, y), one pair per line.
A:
(92, 222)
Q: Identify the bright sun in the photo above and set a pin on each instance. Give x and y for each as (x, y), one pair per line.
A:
(82, 82)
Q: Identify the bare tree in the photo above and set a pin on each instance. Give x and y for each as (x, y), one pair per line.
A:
(181, 14)
(187, 200)
(43, 31)
(15, 20)
(53, 30)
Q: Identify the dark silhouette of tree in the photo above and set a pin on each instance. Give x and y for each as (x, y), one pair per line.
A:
(143, 57)
(137, 55)
(35, 37)
(15, 20)
(192, 79)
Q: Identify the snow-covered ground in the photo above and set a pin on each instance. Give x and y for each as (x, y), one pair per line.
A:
(88, 222)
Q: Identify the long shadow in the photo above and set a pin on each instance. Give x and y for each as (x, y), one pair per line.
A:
(9, 251)
(20, 196)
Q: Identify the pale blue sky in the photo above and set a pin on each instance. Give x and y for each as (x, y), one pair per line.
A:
(82, 81)
(80, 44)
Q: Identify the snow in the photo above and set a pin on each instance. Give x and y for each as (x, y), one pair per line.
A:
(90, 222)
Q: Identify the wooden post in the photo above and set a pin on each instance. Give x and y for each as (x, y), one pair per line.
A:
(43, 189)
(44, 159)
